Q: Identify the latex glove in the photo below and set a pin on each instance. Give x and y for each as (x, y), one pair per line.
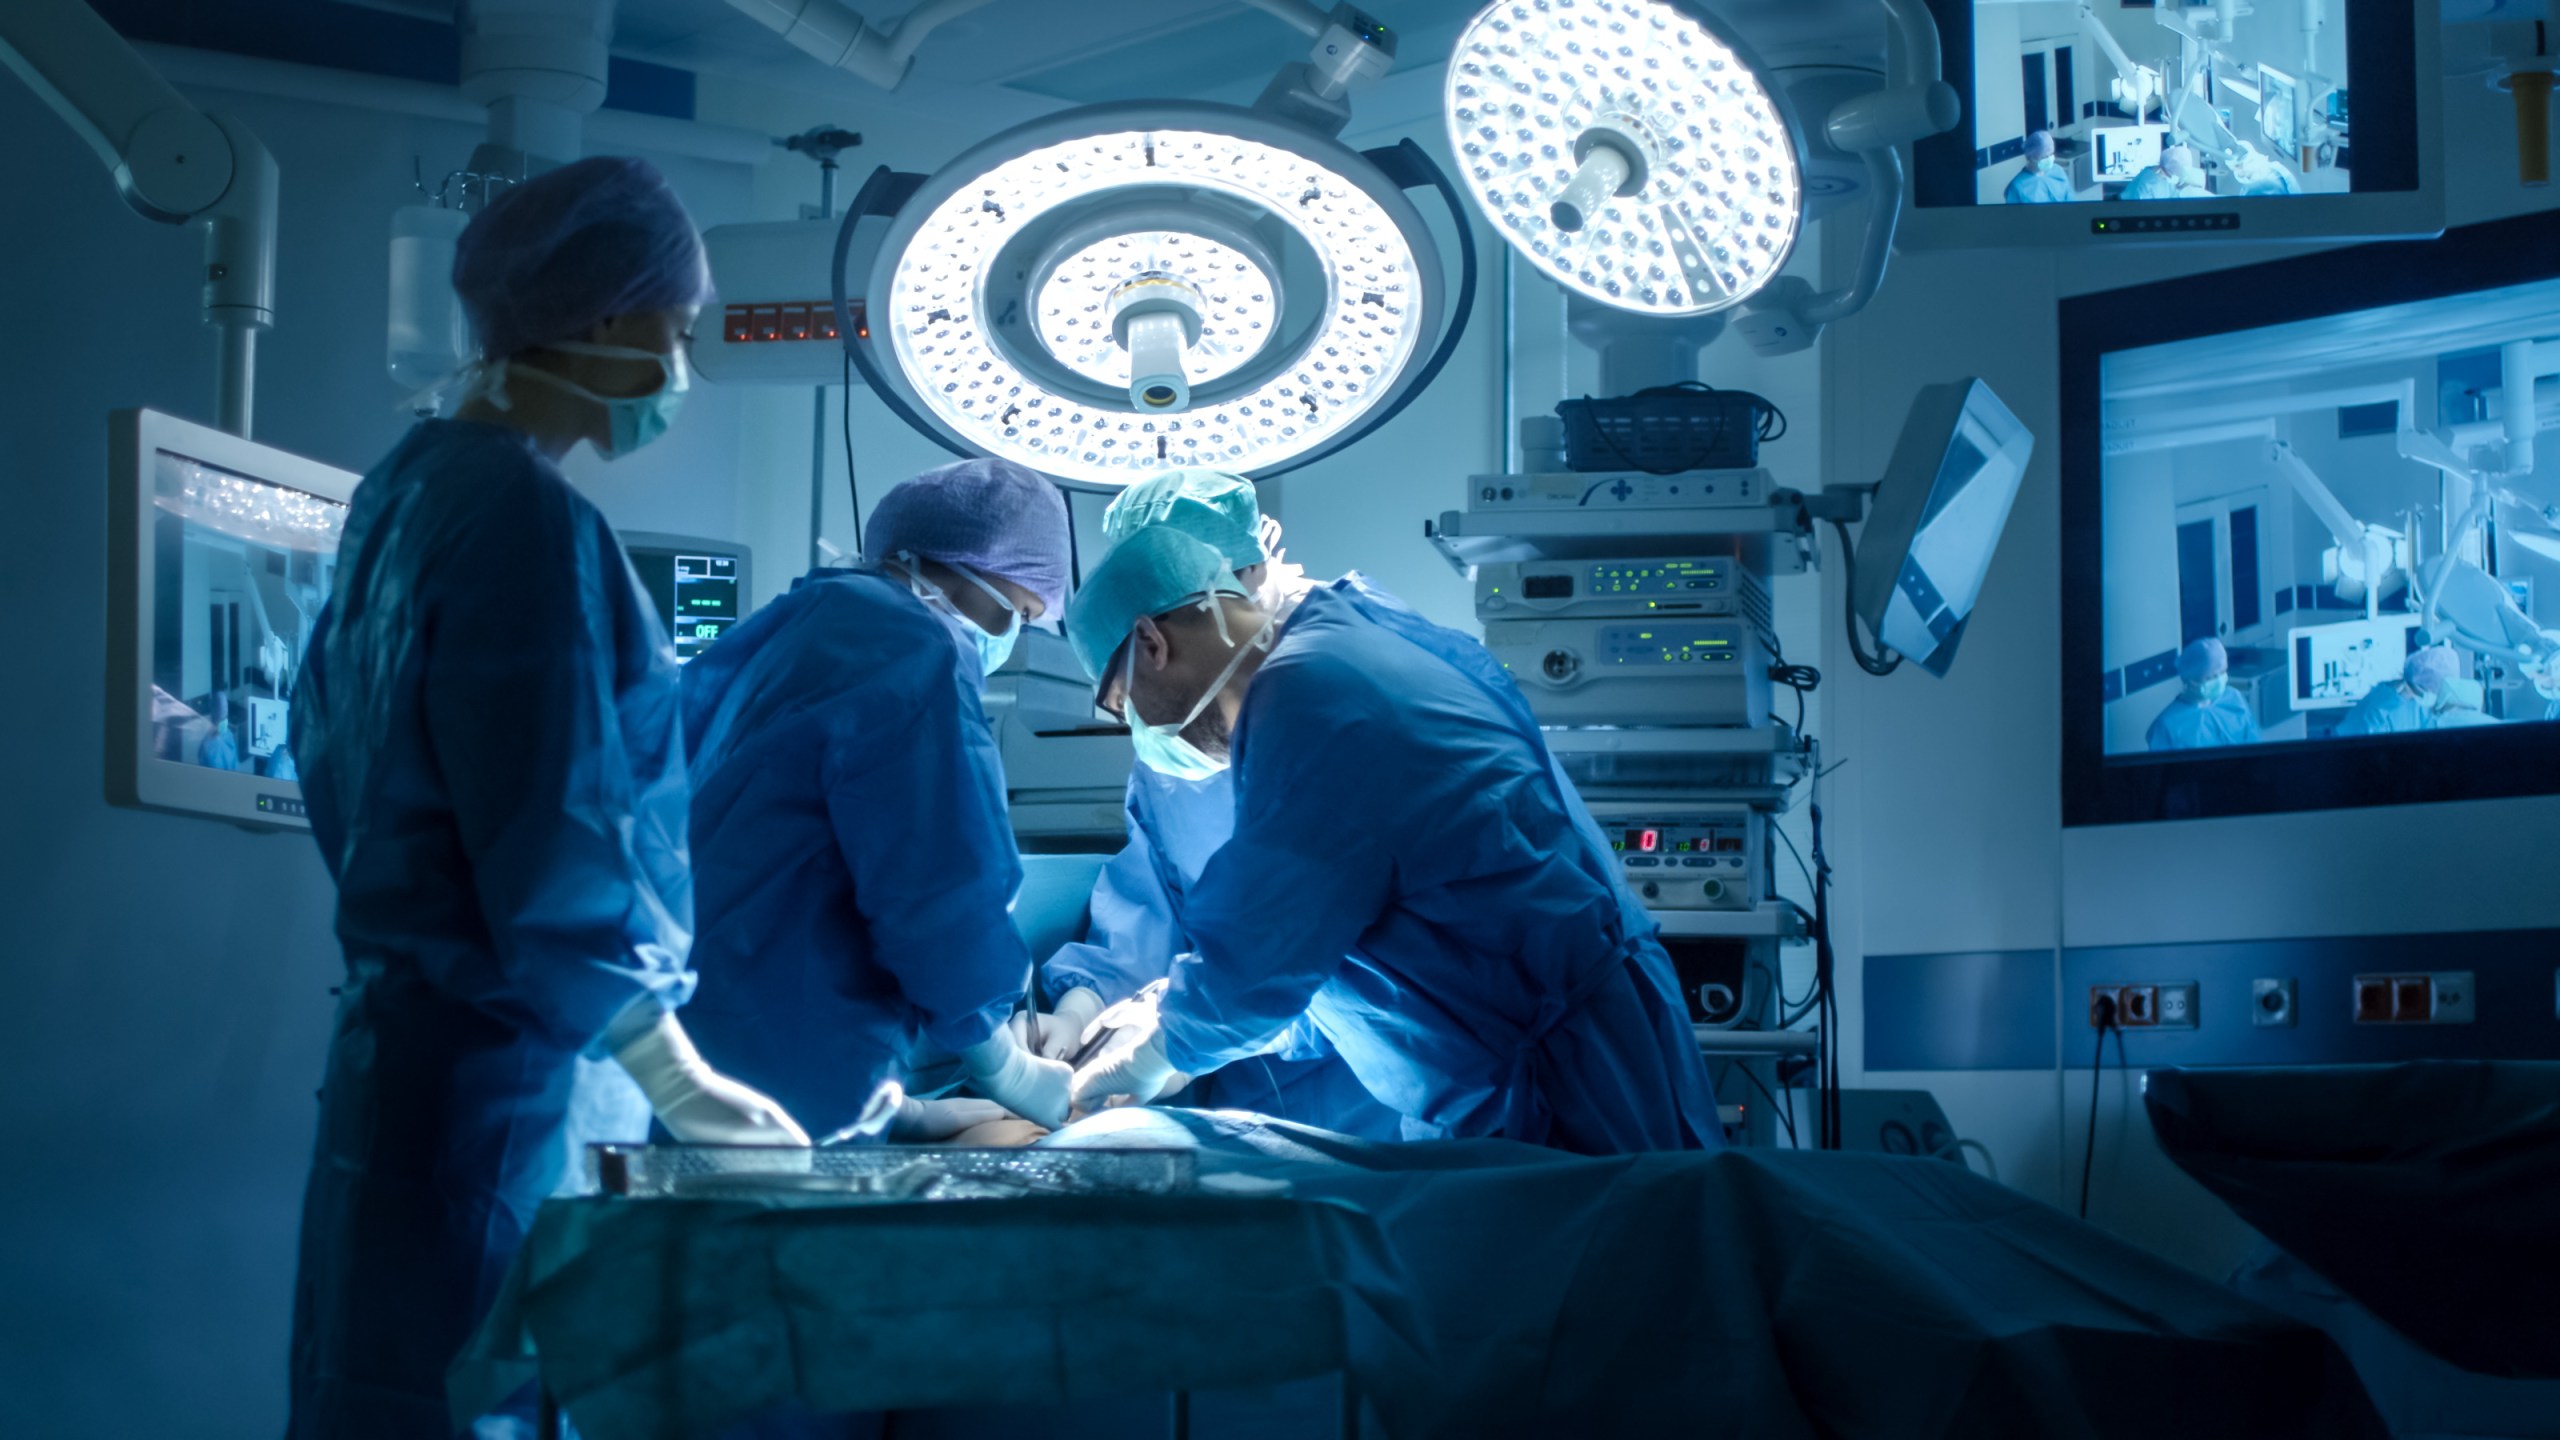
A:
(1062, 1029)
(1133, 1063)
(697, 1104)
(922, 1122)
(1020, 1081)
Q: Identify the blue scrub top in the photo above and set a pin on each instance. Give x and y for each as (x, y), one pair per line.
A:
(486, 737)
(854, 863)
(2185, 725)
(2149, 183)
(1410, 875)
(2029, 188)
(2386, 710)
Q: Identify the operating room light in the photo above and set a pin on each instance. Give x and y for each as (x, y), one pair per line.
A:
(1627, 150)
(1104, 293)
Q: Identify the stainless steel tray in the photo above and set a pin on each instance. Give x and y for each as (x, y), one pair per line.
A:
(883, 1175)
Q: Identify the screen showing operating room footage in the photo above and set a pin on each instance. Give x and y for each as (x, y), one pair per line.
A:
(2334, 528)
(2105, 100)
(242, 568)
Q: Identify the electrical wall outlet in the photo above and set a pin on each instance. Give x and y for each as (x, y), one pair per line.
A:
(2271, 1003)
(2170, 1005)
(2436, 997)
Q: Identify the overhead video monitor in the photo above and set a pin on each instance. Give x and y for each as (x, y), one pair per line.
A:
(2116, 122)
(220, 553)
(2311, 513)
(699, 586)
(1939, 512)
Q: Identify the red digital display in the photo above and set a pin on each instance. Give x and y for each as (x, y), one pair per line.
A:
(1648, 840)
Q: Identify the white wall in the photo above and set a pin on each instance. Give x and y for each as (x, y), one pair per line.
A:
(169, 978)
(1945, 824)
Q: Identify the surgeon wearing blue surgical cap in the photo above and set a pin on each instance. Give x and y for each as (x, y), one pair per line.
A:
(2207, 713)
(854, 861)
(1410, 874)
(1178, 817)
(2410, 703)
(487, 737)
(2041, 179)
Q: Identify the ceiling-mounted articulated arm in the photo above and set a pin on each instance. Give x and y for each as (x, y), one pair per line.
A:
(843, 40)
(1789, 315)
(172, 163)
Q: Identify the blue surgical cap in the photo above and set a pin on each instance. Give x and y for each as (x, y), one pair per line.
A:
(2429, 668)
(1150, 573)
(569, 249)
(993, 516)
(1211, 506)
(2202, 658)
(2039, 142)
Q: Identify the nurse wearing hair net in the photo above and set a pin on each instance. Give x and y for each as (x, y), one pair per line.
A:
(1410, 876)
(2413, 701)
(486, 733)
(853, 859)
(1176, 822)
(2207, 713)
(2176, 177)
(2040, 179)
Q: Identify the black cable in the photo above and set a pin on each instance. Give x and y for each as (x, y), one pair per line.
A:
(1827, 1066)
(2097, 1071)
(1785, 1116)
(850, 483)
(1075, 561)
(1875, 664)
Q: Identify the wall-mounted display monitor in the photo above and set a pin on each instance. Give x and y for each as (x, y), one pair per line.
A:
(220, 553)
(701, 587)
(2311, 516)
(2114, 122)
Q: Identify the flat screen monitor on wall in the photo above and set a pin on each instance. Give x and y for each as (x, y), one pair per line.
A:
(2183, 122)
(2342, 471)
(220, 553)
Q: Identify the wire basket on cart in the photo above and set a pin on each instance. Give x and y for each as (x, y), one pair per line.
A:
(1668, 429)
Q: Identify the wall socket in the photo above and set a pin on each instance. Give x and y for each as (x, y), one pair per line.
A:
(2164, 1005)
(2271, 1003)
(2435, 997)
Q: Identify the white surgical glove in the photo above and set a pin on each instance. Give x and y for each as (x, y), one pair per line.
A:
(697, 1104)
(1061, 1031)
(1020, 1081)
(1133, 1063)
(921, 1122)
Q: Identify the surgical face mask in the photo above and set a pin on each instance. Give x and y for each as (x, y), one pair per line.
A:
(633, 420)
(1162, 748)
(2039, 163)
(2210, 688)
(2459, 693)
(993, 648)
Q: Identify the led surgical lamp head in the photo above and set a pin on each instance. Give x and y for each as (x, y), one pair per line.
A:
(1111, 291)
(1634, 152)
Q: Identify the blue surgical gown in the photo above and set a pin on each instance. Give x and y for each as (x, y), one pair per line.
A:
(2150, 184)
(2027, 187)
(854, 863)
(487, 738)
(2387, 710)
(1410, 874)
(2185, 725)
(1136, 929)
(219, 751)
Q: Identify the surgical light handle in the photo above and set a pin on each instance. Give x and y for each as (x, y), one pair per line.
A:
(172, 163)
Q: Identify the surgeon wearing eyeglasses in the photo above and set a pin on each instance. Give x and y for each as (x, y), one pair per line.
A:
(854, 863)
(1409, 875)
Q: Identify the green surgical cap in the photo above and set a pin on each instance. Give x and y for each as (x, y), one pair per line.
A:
(1211, 506)
(1150, 573)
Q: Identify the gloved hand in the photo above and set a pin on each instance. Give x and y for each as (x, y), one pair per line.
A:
(1132, 1064)
(1061, 1031)
(696, 1103)
(1020, 1081)
(922, 1122)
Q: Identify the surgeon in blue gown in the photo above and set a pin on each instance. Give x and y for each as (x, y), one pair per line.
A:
(2176, 177)
(2409, 704)
(854, 861)
(1179, 814)
(486, 732)
(1408, 875)
(2041, 180)
(2207, 713)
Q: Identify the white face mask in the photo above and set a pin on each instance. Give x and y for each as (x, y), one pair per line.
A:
(633, 420)
(993, 648)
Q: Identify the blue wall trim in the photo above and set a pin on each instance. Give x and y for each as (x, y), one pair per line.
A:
(1976, 1010)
